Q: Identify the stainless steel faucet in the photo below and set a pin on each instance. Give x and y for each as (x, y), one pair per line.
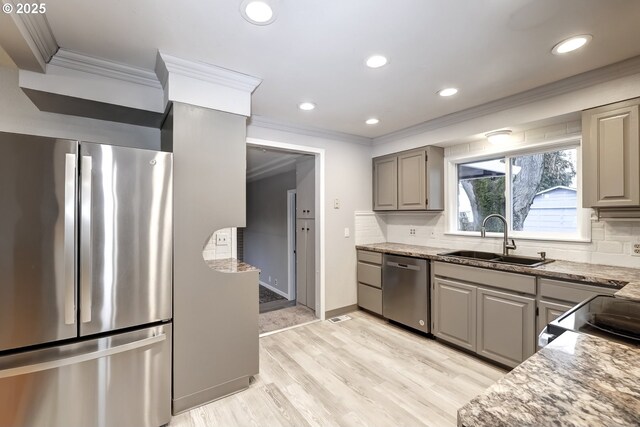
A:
(505, 245)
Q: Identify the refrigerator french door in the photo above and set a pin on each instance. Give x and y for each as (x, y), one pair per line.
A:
(85, 289)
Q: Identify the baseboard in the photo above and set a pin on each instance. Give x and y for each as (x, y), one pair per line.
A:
(209, 395)
(340, 311)
(277, 291)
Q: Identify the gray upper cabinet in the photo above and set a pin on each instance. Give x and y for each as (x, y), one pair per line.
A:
(385, 183)
(506, 326)
(411, 180)
(611, 155)
(305, 188)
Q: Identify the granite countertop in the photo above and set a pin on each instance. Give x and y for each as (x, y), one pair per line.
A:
(577, 380)
(596, 274)
(630, 291)
(230, 265)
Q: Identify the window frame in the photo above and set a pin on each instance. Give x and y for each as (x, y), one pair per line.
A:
(583, 220)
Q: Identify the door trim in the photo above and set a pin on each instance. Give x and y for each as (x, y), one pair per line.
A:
(291, 244)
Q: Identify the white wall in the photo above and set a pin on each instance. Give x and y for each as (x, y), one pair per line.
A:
(611, 241)
(347, 178)
(19, 115)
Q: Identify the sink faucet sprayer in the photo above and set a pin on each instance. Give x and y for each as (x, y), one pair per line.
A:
(505, 245)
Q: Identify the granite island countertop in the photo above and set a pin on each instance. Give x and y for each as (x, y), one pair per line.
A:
(596, 274)
(577, 380)
(230, 265)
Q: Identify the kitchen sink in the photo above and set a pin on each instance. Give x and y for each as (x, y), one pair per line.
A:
(504, 259)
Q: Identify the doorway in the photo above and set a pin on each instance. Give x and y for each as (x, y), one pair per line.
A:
(280, 235)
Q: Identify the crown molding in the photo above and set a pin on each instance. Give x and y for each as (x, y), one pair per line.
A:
(28, 39)
(104, 68)
(580, 81)
(269, 123)
(205, 85)
(168, 64)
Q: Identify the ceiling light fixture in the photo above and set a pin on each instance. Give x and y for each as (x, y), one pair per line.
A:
(306, 106)
(450, 91)
(372, 121)
(257, 12)
(571, 44)
(499, 136)
(377, 61)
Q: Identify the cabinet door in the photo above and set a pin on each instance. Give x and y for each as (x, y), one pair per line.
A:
(550, 311)
(611, 154)
(412, 194)
(301, 262)
(385, 183)
(506, 326)
(305, 188)
(454, 312)
(311, 264)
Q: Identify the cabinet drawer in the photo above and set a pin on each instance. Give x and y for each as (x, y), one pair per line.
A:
(495, 278)
(569, 291)
(370, 274)
(370, 257)
(370, 298)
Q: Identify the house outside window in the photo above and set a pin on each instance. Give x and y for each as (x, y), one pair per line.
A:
(536, 191)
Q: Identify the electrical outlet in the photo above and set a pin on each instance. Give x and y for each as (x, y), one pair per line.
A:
(635, 249)
(336, 203)
(222, 239)
(269, 279)
(412, 232)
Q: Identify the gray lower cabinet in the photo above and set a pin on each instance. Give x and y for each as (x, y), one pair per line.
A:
(548, 311)
(370, 281)
(505, 326)
(454, 312)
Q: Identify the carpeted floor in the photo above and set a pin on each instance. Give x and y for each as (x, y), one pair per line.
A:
(267, 295)
(285, 318)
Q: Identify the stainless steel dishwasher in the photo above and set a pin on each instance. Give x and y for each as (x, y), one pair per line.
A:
(405, 291)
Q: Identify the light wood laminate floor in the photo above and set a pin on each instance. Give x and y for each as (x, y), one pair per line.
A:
(361, 372)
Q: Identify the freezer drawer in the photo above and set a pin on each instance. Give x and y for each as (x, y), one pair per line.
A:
(125, 237)
(120, 380)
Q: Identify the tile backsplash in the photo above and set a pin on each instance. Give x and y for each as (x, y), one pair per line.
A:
(611, 241)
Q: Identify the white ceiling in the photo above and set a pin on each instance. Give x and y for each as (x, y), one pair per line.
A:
(315, 50)
(263, 162)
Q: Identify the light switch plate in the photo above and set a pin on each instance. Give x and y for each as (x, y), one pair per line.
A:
(347, 232)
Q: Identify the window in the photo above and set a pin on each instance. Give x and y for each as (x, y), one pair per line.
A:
(535, 192)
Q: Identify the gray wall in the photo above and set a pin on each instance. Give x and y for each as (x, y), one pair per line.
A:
(265, 238)
(19, 115)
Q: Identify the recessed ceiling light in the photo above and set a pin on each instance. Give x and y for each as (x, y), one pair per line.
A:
(448, 91)
(377, 61)
(372, 121)
(258, 12)
(571, 44)
(306, 106)
(499, 136)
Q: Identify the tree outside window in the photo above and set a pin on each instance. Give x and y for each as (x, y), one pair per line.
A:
(542, 196)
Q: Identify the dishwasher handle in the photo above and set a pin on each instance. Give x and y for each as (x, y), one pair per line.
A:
(403, 266)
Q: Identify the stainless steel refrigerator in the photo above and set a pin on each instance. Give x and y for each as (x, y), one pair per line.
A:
(85, 284)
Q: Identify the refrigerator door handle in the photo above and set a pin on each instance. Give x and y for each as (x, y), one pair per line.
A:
(69, 239)
(85, 241)
(79, 358)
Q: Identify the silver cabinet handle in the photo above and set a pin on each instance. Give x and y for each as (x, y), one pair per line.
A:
(69, 239)
(54, 364)
(85, 241)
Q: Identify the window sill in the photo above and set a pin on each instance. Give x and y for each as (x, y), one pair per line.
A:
(517, 237)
